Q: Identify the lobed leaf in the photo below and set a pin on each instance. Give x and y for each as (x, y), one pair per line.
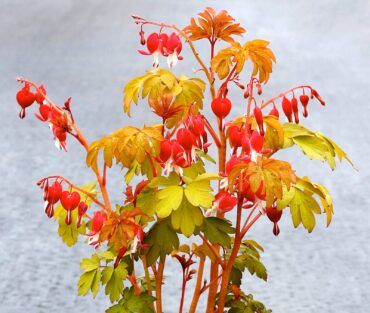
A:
(113, 279)
(303, 205)
(314, 145)
(162, 240)
(160, 84)
(271, 174)
(186, 218)
(213, 25)
(217, 230)
(129, 146)
(236, 55)
(132, 303)
(90, 279)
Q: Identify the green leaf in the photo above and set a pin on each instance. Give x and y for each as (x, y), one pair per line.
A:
(90, 279)
(186, 218)
(162, 239)
(249, 257)
(217, 230)
(131, 303)
(113, 279)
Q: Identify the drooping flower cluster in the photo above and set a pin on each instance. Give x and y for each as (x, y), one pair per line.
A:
(176, 154)
(70, 200)
(158, 44)
(290, 107)
(58, 120)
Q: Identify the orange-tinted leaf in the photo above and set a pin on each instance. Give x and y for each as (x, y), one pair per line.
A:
(270, 173)
(213, 25)
(126, 145)
(256, 51)
(119, 227)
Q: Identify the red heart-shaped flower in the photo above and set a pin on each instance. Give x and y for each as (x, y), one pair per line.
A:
(54, 192)
(25, 97)
(70, 200)
(221, 107)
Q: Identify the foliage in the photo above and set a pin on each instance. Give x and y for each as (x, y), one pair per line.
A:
(172, 207)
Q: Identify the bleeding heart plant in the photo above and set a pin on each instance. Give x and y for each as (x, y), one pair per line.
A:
(175, 196)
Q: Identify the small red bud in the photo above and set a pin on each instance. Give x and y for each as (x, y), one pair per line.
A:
(274, 216)
(317, 96)
(38, 96)
(259, 89)
(287, 108)
(295, 109)
(142, 38)
(82, 208)
(25, 98)
(259, 119)
(274, 112)
(304, 100)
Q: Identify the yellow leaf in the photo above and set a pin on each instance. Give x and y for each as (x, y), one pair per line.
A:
(303, 205)
(314, 145)
(127, 145)
(168, 200)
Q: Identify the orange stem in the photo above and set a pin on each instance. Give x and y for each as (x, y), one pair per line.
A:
(158, 285)
(197, 290)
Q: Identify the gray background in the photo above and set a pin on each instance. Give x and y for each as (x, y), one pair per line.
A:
(87, 50)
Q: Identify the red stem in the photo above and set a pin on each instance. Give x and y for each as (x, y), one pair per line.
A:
(282, 94)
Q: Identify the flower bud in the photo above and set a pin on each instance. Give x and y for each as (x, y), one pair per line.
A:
(274, 112)
(259, 119)
(259, 89)
(317, 96)
(287, 108)
(304, 100)
(38, 96)
(142, 38)
(295, 109)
